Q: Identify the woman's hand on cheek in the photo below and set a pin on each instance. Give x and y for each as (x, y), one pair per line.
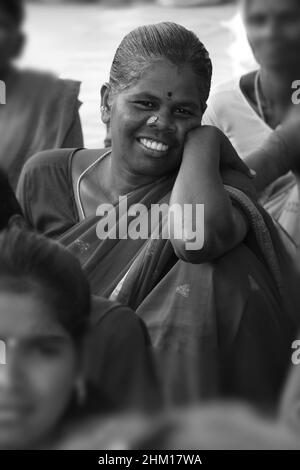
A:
(204, 141)
(216, 149)
(229, 159)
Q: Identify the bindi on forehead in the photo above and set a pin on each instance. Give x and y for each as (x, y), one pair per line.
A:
(169, 94)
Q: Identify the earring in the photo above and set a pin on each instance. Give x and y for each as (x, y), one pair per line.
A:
(80, 391)
(152, 120)
(103, 108)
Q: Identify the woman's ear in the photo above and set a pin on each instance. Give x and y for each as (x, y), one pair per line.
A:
(105, 103)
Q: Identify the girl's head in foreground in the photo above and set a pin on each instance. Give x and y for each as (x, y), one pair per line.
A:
(160, 70)
(44, 310)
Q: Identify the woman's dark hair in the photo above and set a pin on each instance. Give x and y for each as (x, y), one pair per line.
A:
(32, 263)
(9, 205)
(167, 41)
(15, 9)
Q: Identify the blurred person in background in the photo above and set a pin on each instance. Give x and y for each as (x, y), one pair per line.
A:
(45, 323)
(247, 110)
(208, 310)
(44, 314)
(41, 110)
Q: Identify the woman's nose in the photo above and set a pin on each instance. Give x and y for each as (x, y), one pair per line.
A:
(166, 121)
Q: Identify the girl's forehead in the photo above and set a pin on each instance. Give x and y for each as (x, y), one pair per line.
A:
(25, 315)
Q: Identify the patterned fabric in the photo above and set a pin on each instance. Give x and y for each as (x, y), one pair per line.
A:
(218, 329)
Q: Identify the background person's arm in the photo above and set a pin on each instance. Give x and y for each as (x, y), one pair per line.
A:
(280, 153)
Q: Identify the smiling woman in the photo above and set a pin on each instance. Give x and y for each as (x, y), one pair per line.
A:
(208, 310)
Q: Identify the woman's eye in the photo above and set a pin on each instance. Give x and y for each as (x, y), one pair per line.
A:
(183, 112)
(146, 104)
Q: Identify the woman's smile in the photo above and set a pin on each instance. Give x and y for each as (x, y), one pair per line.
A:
(153, 147)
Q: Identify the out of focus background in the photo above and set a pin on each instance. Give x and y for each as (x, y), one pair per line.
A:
(77, 39)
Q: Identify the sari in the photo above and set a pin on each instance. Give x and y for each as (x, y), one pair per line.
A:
(218, 329)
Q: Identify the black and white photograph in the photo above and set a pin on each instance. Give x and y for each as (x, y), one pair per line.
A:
(149, 231)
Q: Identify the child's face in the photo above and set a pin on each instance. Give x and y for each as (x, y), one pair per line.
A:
(38, 379)
(10, 40)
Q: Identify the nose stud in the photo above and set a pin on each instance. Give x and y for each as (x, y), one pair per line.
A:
(152, 120)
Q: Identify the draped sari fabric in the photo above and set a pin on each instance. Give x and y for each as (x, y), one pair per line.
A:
(41, 112)
(222, 328)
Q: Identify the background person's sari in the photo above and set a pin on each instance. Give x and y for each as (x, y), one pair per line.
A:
(41, 112)
(218, 329)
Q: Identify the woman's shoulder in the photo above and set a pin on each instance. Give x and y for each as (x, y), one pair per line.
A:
(45, 192)
(85, 158)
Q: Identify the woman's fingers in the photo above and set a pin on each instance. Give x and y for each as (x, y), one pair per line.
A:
(215, 146)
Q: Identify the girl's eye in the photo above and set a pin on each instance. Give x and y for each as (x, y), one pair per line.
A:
(38, 350)
(46, 351)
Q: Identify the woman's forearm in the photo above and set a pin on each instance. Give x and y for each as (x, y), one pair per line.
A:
(199, 182)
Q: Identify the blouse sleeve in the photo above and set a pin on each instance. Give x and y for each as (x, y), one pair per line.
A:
(45, 193)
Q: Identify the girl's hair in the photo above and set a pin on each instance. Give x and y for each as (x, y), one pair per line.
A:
(9, 205)
(32, 263)
(15, 9)
(167, 41)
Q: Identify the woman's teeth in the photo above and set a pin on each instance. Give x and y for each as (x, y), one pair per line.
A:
(154, 145)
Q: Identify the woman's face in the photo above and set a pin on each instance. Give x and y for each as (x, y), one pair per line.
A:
(273, 29)
(37, 381)
(168, 92)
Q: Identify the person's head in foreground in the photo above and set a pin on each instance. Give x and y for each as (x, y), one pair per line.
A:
(10, 210)
(44, 310)
(11, 36)
(273, 30)
(160, 72)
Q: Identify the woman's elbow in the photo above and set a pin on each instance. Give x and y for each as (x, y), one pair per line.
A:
(211, 246)
(191, 252)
